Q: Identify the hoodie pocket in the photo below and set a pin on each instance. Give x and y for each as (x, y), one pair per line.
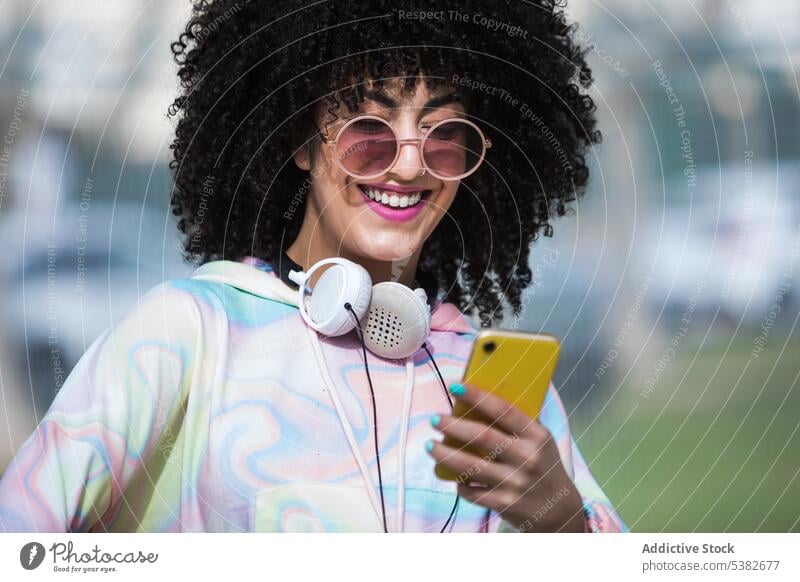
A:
(315, 507)
(309, 506)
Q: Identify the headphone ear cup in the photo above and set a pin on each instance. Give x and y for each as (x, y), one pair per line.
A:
(398, 321)
(343, 282)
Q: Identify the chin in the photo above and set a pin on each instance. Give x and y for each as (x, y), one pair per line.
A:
(389, 247)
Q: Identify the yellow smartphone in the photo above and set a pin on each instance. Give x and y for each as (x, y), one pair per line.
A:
(517, 367)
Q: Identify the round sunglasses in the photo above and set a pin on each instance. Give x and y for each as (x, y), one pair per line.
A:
(367, 146)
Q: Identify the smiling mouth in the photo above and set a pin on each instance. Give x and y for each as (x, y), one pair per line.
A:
(393, 199)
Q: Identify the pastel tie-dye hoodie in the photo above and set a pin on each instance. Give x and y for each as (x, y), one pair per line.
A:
(204, 409)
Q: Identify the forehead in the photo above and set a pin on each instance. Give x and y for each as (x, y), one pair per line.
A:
(392, 95)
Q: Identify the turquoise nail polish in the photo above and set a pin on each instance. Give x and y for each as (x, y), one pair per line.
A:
(457, 389)
(436, 419)
(429, 446)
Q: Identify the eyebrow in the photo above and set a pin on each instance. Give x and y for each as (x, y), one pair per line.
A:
(388, 102)
(437, 102)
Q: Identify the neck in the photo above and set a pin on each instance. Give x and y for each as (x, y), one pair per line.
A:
(401, 270)
(305, 251)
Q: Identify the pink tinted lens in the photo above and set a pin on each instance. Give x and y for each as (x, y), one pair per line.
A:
(367, 147)
(453, 149)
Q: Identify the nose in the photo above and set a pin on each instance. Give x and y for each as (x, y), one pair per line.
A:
(409, 163)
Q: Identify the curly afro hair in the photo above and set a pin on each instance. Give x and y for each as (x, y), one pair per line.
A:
(254, 73)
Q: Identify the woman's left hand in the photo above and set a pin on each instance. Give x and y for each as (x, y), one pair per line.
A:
(521, 477)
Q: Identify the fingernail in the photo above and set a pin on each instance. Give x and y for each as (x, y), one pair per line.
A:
(429, 446)
(436, 419)
(457, 389)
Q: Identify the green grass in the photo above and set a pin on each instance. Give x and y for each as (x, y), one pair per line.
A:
(690, 457)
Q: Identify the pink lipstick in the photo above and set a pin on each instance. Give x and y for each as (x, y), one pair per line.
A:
(393, 213)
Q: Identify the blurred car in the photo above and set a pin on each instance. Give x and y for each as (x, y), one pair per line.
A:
(730, 247)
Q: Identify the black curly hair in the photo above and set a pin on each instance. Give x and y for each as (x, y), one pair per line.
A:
(254, 73)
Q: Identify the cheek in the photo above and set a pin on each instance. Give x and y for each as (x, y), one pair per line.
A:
(329, 186)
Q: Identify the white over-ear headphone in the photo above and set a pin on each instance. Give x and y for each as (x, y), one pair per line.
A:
(394, 320)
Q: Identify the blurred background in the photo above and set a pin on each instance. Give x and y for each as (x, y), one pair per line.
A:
(673, 285)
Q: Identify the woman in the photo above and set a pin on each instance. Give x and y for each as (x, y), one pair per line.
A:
(431, 149)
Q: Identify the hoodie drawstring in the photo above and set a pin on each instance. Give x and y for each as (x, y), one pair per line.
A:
(401, 490)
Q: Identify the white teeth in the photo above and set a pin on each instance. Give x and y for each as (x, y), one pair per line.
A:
(393, 199)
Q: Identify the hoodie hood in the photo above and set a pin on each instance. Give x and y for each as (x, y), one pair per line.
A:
(257, 277)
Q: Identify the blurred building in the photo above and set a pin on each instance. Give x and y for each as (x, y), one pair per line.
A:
(84, 217)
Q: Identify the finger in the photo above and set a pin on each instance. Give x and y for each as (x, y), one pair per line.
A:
(470, 468)
(535, 453)
(492, 442)
(505, 416)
